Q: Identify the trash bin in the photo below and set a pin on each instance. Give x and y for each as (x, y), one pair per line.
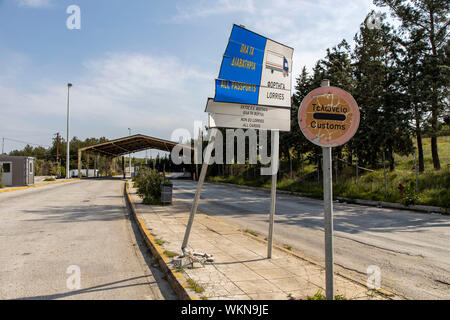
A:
(166, 193)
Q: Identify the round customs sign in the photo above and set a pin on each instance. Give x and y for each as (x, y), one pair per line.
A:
(328, 116)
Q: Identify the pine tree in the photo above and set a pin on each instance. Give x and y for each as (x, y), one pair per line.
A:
(384, 118)
(413, 82)
(431, 19)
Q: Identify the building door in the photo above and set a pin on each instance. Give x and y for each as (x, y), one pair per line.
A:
(6, 169)
(30, 172)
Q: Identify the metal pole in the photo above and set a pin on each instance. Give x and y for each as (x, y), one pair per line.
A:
(318, 172)
(273, 194)
(3, 146)
(290, 163)
(328, 212)
(384, 169)
(129, 155)
(356, 170)
(336, 169)
(68, 132)
(95, 166)
(123, 167)
(415, 168)
(201, 179)
(327, 167)
(57, 155)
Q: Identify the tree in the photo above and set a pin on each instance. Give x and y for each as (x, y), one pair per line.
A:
(384, 117)
(337, 67)
(294, 142)
(429, 18)
(413, 82)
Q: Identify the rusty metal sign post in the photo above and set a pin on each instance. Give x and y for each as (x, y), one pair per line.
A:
(328, 117)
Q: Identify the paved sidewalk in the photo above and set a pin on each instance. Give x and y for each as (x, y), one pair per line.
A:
(240, 269)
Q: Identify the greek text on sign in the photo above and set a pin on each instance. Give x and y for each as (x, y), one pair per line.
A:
(255, 70)
(245, 116)
(328, 116)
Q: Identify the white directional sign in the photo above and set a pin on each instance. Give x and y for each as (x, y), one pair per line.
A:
(247, 116)
(275, 89)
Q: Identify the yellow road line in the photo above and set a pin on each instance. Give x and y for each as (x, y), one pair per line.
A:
(36, 185)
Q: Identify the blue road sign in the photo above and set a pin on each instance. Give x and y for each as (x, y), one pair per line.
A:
(254, 70)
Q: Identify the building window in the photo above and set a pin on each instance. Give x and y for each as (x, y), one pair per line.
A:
(6, 168)
(31, 167)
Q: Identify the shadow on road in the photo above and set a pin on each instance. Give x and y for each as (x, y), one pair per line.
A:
(102, 287)
(218, 200)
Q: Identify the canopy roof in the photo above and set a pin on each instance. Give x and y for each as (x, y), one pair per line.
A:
(130, 144)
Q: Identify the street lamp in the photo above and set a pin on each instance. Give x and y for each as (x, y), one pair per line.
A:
(129, 155)
(69, 85)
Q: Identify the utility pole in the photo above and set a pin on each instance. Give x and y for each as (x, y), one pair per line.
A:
(57, 154)
(68, 133)
(3, 146)
(129, 155)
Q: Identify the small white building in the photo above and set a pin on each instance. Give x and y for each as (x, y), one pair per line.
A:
(91, 173)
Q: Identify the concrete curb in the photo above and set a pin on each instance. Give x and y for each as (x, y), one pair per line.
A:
(393, 205)
(36, 185)
(382, 204)
(176, 279)
(382, 291)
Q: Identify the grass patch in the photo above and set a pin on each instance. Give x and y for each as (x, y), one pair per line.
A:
(155, 261)
(317, 296)
(434, 186)
(49, 179)
(159, 242)
(151, 201)
(194, 286)
(251, 232)
(320, 296)
(179, 268)
(203, 298)
(170, 254)
(287, 247)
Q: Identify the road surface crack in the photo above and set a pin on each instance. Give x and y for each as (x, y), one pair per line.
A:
(382, 248)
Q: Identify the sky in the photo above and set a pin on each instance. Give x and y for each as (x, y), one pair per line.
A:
(142, 64)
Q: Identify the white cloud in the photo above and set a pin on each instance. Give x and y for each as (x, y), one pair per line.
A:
(33, 3)
(153, 95)
(128, 75)
(310, 27)
(190, 10)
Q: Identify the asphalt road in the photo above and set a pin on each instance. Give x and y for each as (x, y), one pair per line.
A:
(412, 250)
(46, 230)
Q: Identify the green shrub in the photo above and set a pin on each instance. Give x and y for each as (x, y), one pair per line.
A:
(1, 185)
(148, 184)
(63, 171)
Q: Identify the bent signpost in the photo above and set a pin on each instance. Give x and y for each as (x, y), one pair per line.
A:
(328, 117)
(253, 91)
